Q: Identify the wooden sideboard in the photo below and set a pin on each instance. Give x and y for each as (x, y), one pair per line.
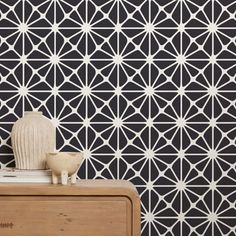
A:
(89, 208)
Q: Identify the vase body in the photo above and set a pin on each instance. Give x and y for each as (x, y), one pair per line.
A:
(32, 137)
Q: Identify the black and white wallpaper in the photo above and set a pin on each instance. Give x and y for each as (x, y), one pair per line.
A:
(146, 88)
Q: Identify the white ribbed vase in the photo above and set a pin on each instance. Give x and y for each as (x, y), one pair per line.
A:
(32, 137)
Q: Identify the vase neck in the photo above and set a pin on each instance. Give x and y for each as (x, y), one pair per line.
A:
(33, 113)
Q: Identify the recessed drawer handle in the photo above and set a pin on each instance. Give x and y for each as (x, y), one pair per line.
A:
(6, 225)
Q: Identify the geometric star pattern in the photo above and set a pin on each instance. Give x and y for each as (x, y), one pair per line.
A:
(146, 88)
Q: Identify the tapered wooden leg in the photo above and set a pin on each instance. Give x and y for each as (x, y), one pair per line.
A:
(54, 179)
(73, 178)
(64, 177)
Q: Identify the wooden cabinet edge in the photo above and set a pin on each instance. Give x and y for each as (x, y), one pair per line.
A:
(83, 187)
(136, 216)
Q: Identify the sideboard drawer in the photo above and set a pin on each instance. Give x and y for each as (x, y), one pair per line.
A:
(89, 208)
(76, 216)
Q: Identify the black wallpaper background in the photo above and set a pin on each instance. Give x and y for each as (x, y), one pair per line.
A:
(146, 88)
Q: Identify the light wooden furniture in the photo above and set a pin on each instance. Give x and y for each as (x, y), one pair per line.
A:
(89, 208)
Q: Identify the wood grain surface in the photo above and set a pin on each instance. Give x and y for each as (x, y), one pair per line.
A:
(92, 207)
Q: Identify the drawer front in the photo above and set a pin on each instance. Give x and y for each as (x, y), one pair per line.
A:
(70, 216)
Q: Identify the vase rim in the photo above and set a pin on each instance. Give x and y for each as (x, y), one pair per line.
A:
(27, 113)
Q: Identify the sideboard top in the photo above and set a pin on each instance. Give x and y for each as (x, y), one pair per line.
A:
(81, 188)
